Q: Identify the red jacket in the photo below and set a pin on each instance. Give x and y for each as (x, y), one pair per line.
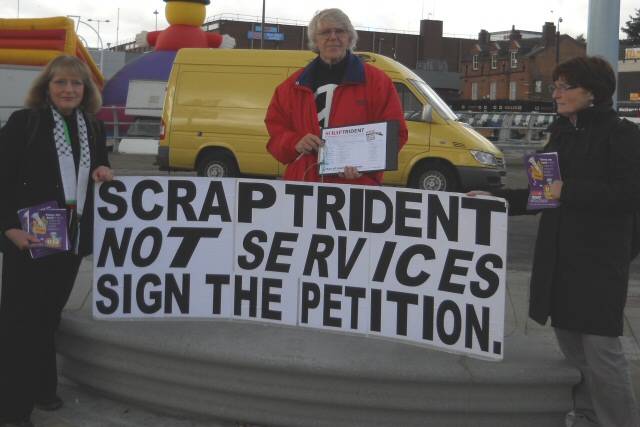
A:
(366, 95)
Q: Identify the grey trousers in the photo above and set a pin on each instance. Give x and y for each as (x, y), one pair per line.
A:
(605, 395)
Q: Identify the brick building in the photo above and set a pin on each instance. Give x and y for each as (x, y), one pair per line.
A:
(515, 66)
(629, 82)
(433, 56)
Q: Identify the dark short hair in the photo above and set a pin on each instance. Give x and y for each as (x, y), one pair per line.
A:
(591, 73)
(38, 96)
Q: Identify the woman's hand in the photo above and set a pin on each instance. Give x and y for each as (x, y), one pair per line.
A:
(308, 144)
(350, 172)
(102, 173)
(20, 238)
(555, 189)
(475, 193)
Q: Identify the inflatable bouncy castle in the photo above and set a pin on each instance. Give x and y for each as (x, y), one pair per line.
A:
(34, 42)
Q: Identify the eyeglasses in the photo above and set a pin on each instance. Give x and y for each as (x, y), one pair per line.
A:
(563, 87)
(338, 32)
(64, 82)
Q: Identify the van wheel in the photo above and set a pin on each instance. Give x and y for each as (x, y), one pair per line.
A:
(434, 177)
(217, 165)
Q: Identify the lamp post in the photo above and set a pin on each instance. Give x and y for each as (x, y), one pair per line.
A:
(98, 21)
(262, 27)
(80, 21)
(18, 8)
(100, 38)
(155, 12)
(558, 42)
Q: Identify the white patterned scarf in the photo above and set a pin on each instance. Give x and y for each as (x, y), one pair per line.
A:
(75, 186)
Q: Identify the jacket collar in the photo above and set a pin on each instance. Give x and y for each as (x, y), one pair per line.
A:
(354, 74)
(589, 116)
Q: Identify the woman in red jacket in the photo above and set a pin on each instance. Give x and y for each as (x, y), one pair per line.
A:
(336, 89)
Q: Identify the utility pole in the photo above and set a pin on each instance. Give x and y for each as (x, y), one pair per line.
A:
(262, 27)
(602, 32)
(117, 26)
(98, 21)
(558, 42)
(99, 38)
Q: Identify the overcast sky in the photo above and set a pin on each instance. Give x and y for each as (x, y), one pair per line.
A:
(460, 17)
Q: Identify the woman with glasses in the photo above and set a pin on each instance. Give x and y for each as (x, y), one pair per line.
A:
(583, 249)
(52, 151)
(336, 89)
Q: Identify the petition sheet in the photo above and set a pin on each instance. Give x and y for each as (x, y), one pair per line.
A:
(363, 146)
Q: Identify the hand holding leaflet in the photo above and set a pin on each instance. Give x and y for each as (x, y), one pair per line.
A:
(542, 170)
(49, 224)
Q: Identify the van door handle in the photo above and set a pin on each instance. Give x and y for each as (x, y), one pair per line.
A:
(199, 133)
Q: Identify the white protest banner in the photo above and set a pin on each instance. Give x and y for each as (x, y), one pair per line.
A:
(424, 267)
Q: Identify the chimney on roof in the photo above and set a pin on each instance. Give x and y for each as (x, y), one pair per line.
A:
(549, 34)
(431, 36)
(515, 34)
(483, 37)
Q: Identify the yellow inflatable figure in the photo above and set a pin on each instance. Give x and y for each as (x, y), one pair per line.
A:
(185, 18)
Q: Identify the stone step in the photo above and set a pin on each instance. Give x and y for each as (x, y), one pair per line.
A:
(279, 375)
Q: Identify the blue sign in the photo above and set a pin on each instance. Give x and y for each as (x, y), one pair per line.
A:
(255, 35)
(266, 29)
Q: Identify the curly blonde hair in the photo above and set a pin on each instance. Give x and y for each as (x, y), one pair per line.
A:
(38, 95)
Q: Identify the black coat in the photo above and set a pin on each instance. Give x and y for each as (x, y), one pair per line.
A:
(581, 264)
(30, 173)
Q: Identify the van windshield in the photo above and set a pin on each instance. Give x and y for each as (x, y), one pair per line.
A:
(434, 99)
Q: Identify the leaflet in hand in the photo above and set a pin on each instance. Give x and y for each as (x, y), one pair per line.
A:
(49, 224)
(542, 170)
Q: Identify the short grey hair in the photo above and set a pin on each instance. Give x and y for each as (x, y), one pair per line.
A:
(331, 15)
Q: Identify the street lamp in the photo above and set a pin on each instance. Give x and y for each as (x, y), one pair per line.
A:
(100, 38)
(18, 8)
(558, 41)
(80, 21)
(262, 27)
(98, 21)
(155, 12)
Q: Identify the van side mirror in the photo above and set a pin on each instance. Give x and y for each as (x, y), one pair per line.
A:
(427, 114)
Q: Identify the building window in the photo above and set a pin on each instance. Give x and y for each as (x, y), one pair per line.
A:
(514, 60)
(475, 62)
(474, 90)
(513, 88)
(538, 86)
(492, 90)
(494, 61)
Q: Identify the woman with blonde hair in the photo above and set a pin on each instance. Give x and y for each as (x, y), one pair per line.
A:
(52, 151)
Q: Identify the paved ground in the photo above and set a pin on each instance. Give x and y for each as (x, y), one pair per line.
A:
(87, 408)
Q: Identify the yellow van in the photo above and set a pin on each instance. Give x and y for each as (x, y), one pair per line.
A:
(216, 100)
